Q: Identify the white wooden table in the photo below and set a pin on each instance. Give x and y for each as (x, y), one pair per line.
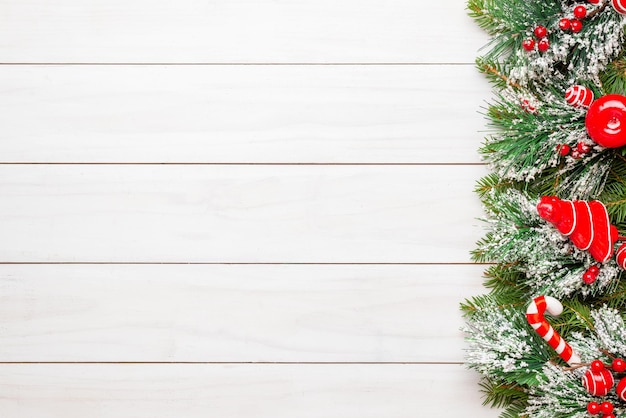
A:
(231, 208)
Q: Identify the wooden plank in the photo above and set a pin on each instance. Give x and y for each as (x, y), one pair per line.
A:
(372, 114)
(251, 391)
(237, 31)
(234, 313)
(284, 214)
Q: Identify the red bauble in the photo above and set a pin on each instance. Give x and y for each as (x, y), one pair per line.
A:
(543, 45)
(598, 383)
(618, 365)
(606, 121)
(583, 148)
(589, 278)
(619, 6)
(620, 257)
(579, 96)
(564, 24)
(597, 366)
(606, 408)
(585, 223)
(540, 31)
(576, 25)
(580, 12)
(621, 389)
(595, 270)
(593, 408)
(528, 44)
(564, 150)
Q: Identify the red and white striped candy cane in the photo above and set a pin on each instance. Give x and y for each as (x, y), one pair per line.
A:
(534, 314)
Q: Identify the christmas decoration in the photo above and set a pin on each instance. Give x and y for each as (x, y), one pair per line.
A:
(535, 316)
(598, 381)
(579, 96)
(554, 151)
(606, 121)
(585, 223)
(620, 256)
(619, 6)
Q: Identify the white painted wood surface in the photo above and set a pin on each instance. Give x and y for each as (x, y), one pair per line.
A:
(233, 114)
(244, 390)
(234, 313)
(238, 213)
(237, 31)
(190, 235)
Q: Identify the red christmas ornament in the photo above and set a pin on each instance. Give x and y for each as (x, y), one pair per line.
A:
(621, 389)
(580, 12)
(593, 408)
(527, 106)
(528, 44)
(598, 383)
(579, 96)
(564, 24)
(576, 25)
(540, 32)
(620, 257)
(619, 6)
(589, 278)
(583, 148)
(564, 150)
(585, 223)
(606, 408)
(619, 365)
(606, 121)
(543, 45)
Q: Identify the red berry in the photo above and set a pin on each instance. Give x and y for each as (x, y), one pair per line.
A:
(540, 32)
(589, 278)
(593, 408)
(564, 150)
(528, 44)
(594, 1)
(606, 408)
(580, 12)
(597, 366)
(618, 365)
(576, 25)
(543, 45)
(595, 270)
(564, 24)
(583, 148)
(608, 416)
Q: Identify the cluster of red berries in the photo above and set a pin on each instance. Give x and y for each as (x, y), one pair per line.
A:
(541, 33)
(581, 149)
(575, 24)
(591, 274)
(604, 408)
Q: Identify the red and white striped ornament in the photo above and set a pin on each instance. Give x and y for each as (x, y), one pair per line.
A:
(621, 389)
(620, 256)
(579, 96)
(586, 224)
(598, 382)
(535, 316)
(619, 6)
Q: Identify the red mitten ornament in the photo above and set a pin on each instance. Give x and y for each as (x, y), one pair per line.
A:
(585, 223)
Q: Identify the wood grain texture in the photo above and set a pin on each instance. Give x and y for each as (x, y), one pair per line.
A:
(229, 391)
(235, 114)
(284, 214)
(233, 313)
(237, 31)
